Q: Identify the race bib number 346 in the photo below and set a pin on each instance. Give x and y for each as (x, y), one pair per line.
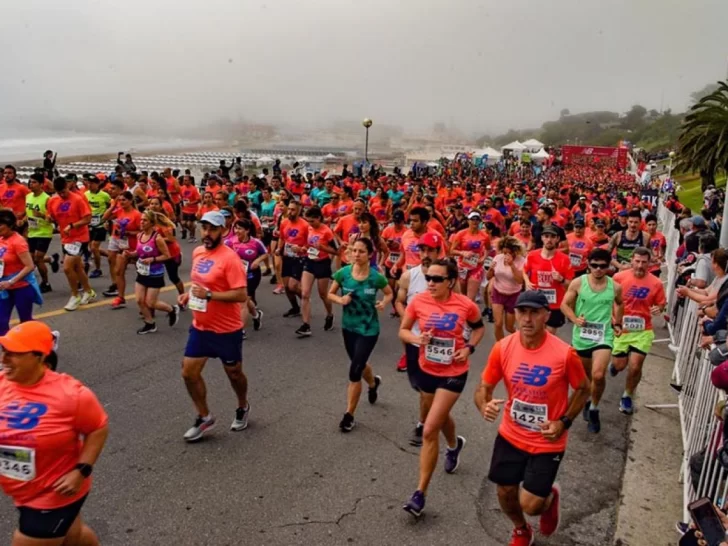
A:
(17, 463)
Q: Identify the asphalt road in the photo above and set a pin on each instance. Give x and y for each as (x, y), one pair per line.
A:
(292, 477)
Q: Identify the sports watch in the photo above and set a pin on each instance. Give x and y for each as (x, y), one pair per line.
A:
(567, 422)
(85, 469)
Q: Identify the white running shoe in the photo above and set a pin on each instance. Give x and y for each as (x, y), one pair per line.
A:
(88, 297)
(199, 428)
(73, 303)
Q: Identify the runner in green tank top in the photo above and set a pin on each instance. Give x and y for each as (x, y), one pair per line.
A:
(593, 303)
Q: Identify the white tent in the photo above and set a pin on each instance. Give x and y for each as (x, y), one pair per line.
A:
(533, 144)
(330, 156)
(514, 146)
(265, 159)
(492, 153)
(541, 155)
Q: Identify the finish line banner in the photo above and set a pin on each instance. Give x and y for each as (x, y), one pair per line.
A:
(594, 154)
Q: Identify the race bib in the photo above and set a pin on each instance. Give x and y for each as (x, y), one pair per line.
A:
(32, 222)
(95, 221)
(545, 278)
(488, 262)
(471, 261)
(575, 260)
(122, 243)
(529, 416)
(633, 324)
(550, 294)
(440, 350)
(288, 251)
(265, 223)
(593, 331)
(17, 463)
(142, 268)
(246, 266)
(2, 268)
(72, 249)
(185, 202)
(313, 253)
(394, 257)
(197, 304)
(462, 273)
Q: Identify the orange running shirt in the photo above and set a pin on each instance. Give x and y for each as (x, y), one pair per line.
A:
(190, 199)
(40, 427)
(123, 222)
(477, 242)
(218, 270)
(294, 233)
(321, 235)
(658, 244)
(68, 211)
(539, 271)
(537, 382)
(579, 250)
(446, 321)
(10, 250)
(12, 196)
(639, 295)
(393, 239)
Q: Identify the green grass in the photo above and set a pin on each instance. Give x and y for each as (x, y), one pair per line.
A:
(691, 195)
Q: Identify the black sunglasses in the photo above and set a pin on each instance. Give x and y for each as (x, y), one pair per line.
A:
(437, 279)
(599, 266)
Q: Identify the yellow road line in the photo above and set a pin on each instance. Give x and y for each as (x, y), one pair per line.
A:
(94, 305)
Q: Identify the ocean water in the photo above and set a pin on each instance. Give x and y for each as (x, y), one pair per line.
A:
(25, 145)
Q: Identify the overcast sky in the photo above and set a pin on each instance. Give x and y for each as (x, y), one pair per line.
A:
(483, 65)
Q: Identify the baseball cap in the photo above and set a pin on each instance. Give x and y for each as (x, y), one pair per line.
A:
(533, 299)
(582, 198)
(623, 213)
(29, 337)
(698, 221)
(579, 222)
(474, 214)
(214, 218)
(225, 213)
(550, 230)
(398, 216)
(430, 240)
(600, 223)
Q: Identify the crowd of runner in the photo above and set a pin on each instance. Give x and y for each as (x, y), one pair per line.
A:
(524, 249)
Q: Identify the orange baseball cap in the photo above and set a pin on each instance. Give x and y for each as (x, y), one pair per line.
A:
(29, 337)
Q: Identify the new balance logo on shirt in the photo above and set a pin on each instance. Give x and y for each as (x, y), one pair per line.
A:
(534, 376)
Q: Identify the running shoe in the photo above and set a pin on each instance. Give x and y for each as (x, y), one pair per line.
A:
(402, 363)
(681, 527)
(416, 504)
(304, 330)
(173, 315)
(612, 370)
(329, 323)
(373, 391)
(191, 240)
(273, 279)
(292, 312)
(416, 438)
(595, 424)
(88, 297)
(278, 290)
(95, 274)
(184, 235)
(489, 314)
(73, 303)
(118, 303)
(266, 272)
(625, 405)
(452, 456)
(200, 427)
(148, 328)
(585, 411)
(45, 288)
(241, 418)
(347, 422)
(522, 536)
(245, 335)
(258, 320)
(111, 292)
(55, 262)
(549, 522)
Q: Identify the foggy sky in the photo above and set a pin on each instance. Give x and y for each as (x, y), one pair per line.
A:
(483, 65)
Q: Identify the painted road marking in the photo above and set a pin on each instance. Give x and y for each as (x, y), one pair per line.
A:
(94, 305)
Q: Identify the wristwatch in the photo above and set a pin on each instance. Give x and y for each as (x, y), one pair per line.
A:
(471, 347)
(567, 422)
(208, 296)
(85, 469)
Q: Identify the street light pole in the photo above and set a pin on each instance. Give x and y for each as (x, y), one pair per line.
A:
(669, 168)
(366, 123)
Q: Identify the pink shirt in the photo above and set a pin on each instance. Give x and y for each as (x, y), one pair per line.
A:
(503, 281)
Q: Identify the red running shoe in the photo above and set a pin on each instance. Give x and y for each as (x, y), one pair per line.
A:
(549, 522)
(522, 536)
(402, 364)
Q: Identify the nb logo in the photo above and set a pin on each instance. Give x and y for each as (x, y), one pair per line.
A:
(204, 266)
(474, 245)
(292, 232)
(535, 376)
(638, 292)
(23, 417)
(446, 321)
(578, 244)
(65, 206)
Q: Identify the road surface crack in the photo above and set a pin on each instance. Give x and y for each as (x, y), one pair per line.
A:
(336, 521)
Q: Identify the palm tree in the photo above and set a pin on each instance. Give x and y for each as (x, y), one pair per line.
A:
(703, 140)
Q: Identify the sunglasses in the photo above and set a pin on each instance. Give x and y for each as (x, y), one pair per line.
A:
(437, 279)
(599, 266)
